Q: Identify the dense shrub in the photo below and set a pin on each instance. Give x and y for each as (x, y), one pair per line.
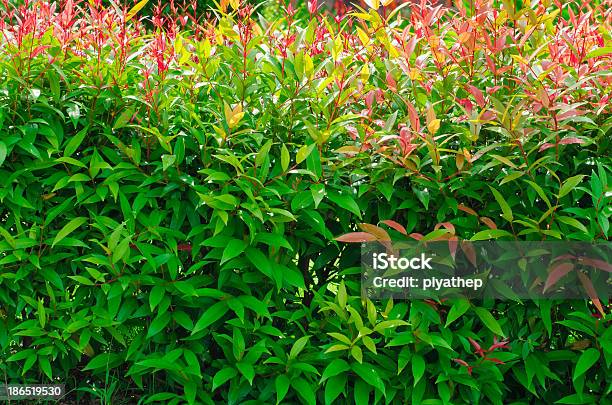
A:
(170, 199)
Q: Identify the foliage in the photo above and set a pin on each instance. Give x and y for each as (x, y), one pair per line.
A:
(170, 199)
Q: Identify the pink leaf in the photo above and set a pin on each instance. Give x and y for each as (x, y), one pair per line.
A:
(469, 251)
(477, 95)
(391, 82)
(477, 347)
(453, 243)
(462, 362)
(414, 117)
(567, 141)
(467, 210)
(356, 237)
(376, 231)
(488, 222)
(446, 225)
(590, 289)
(498, 345)
(600, 264)
(398, 227)
(546, 146)
(556, 273)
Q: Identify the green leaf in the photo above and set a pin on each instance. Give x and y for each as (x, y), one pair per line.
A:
(263, 152)
(490, 234)
(362, 392)
(506, 211)
(45, 366)
(82, 280)
(3, 152)
(304, 390)
(158, 324)
(511, 176)
(22, 354)
(540, 192)
(303, 153)
(259, 260)
(418, 368)
(357, 353)
(334, 387)
(121, 250)
(587, 359)
(369, 344)
(247, 370)
(334, 368)
(340, 337)
(233, 249)
(223, 376)
(167, 161)
(155, 296)
(572, 222)
(74, 142)
(318, 192)
(342, 295)
(459, 308)
(569, 184)
(489, 321)
(8, 237)
(68, 228)
(285, 158)
(212, 314)
(370, 375)
(345, 201)
(298, 346)
(606, 50)
(282, 387)
(577, 399)
(42, 317)
(101, 361)
(134, 10)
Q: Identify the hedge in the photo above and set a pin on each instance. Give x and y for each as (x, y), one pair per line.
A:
(171, 199)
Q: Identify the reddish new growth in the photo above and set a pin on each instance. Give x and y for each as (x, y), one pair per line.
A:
(483, 353)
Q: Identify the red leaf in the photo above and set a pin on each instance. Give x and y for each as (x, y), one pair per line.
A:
(600, 264)
(398, 227)
(391, 82)
(498, 345)
(498, 361)
(556, 273)
(469, 251)
(462, 362)
(488, 222)
(588, 286)
(570, 113)
(546, 146)
(416, 236)
(446, 225)
(476, 347)
(414, 117)
(567, 141)
(379, 233)
(184, 246)
(453, 243)
(467, 210)
(356, 237)
(477, 95)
